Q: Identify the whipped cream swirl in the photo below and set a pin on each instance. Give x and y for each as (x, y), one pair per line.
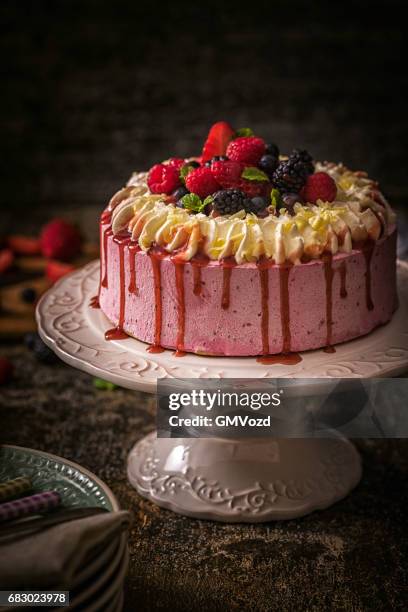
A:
(359, 213)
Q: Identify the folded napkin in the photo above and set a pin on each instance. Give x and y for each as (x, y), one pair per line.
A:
(50, 559)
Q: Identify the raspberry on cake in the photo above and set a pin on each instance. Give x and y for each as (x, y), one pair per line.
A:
(246, 150)
(163, 178)
(201, 181)
(319, 186)
(244, 252)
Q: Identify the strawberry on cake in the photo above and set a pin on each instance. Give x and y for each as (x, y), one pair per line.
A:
(245, 251)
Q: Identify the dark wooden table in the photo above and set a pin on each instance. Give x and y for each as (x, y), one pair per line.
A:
(352, 556)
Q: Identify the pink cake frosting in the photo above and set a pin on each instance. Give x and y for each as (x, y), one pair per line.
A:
(224, 312)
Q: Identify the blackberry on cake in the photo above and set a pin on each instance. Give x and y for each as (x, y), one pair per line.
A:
(230, 201)
(291, 175)
(302, 156)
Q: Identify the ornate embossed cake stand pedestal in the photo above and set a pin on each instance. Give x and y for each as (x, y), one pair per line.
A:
(221, 479)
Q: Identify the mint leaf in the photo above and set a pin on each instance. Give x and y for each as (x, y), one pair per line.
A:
(208, 200)
(184, 170)
(276, 199)
(243, 132)
(104, 385)
(254, 174)
(191, 201)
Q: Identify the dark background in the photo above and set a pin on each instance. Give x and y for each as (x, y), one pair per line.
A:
(93, 90)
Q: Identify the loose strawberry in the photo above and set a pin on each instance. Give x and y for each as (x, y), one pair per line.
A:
(247, 150)
(57, 269)
(60, 240)
(319, 186)
(201, 182)
(6, 260)
(6, 370)
(227, 173)
(24, 245)
(163, 178)
(217, 141)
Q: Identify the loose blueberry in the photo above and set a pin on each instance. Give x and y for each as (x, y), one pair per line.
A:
(29, 295)
(258, 204)
(30, 339)
(216, 158)
(272, 149)
(268, 163)
(289, 200)
(180, 192)
(40, 349)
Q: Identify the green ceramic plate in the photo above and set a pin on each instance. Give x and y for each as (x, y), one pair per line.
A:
(76, 485)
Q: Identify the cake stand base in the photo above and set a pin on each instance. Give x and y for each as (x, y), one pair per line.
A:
(246, 480)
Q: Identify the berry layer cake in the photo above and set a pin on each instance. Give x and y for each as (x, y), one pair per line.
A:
(245, 251)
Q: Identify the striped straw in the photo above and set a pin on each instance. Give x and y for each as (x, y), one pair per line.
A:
(40, 502)
(14, 488)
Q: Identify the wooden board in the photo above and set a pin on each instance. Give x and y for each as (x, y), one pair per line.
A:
(17, 317)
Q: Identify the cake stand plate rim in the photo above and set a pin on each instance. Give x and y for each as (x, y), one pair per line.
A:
(75, 332)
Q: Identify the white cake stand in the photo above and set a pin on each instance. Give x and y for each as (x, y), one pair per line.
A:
(227, 480)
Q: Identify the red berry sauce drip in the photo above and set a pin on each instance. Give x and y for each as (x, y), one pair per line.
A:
(94, 302)
(286, 357)
(197, 280)
(368, 250)
(284, 272)
(227, 265)
(106, 217)
(343, 275)
(181, 308)
(155, 257)
(264, 281)
(117, 333)
(133, 249)
(328, 275)
(198, 262)
(105, 233)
